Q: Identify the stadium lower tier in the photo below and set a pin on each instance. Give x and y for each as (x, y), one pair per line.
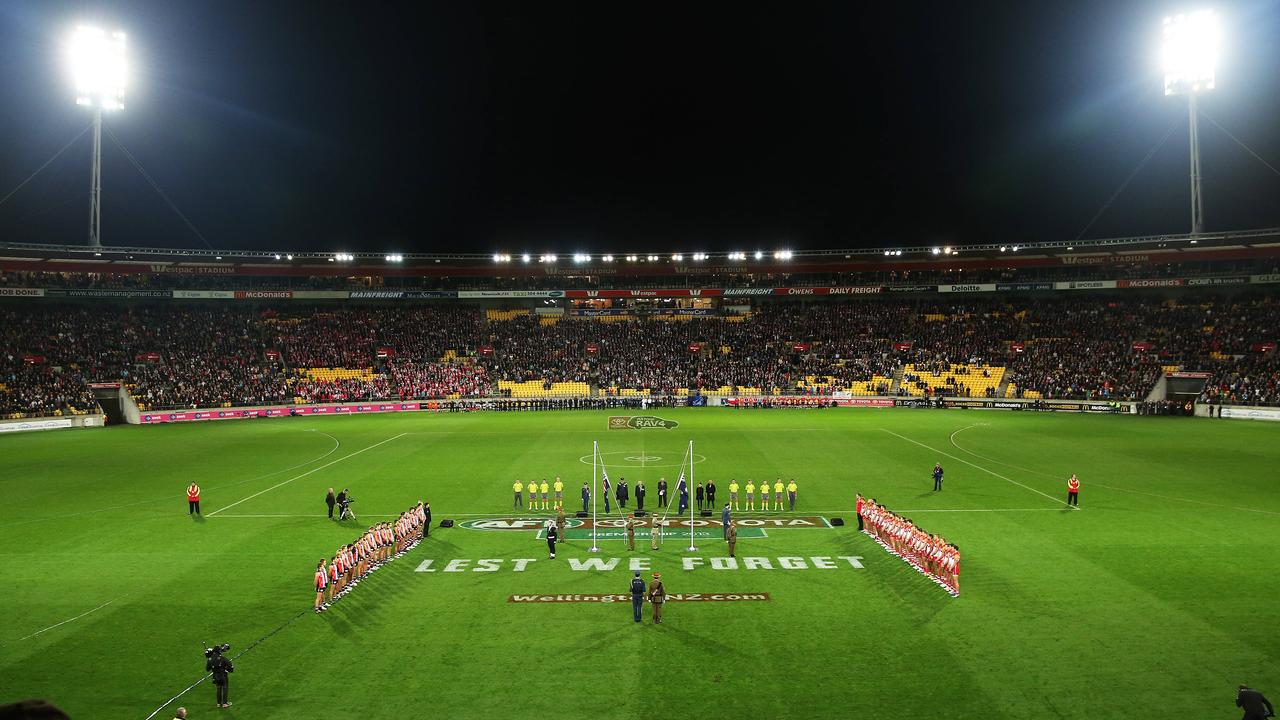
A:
(170, 356)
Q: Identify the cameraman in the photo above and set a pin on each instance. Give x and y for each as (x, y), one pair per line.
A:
(220, 666)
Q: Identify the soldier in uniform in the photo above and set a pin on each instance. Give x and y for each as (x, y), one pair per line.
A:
(657, 596)
(560, 521)
(655, 534)
(732, 537)
(631, 532)
(637, 596)
(724, 521)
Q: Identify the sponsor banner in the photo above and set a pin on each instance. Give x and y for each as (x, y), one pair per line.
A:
(1236, 280)
(671, 312)
(1251, 413)
(41, 424)
(169, 269)
(263, 294)
(105, 386)
(512, 294)
(1085, 285)
(21, 292)
(844, 290)
(203, 294)
(1111, 259)
(624, 598)
(640, 422)
(911, 288)
(1264, 279)
(321, 294)
(1151, 283)
(1022, 287)
(245, 413)
(864, 402)
(913, 402)
(1188, 375)
(378, 294)
(431, 294)
(664, 293)
(971, 287)
(715, 533)
(751, 291)
(672, 524)
(119, 293)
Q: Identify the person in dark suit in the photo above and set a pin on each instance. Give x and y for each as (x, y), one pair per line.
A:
(426, 519)
(1255, 706)
(640, 495)
(699, 494)
(662, 493)
(330, 500)
(586, 497)
(711, 494)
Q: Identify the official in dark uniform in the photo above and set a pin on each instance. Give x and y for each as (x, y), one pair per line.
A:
(426, 519)
(1255, 706)
(552, 536)
(711, 494)
(640, 495)
(637, 596)
(937, 477)
(620, 494)
(586, 497)
(662, 493)
(330, 500)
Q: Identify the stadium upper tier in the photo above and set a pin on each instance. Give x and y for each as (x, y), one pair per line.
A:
(221, 355)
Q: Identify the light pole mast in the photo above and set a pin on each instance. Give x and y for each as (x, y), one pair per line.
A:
(1190, 56)
(95, 183)
(1197, 203)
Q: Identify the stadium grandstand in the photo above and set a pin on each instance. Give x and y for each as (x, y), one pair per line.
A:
(184, 329)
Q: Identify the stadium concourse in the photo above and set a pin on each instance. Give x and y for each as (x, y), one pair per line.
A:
(175, 355)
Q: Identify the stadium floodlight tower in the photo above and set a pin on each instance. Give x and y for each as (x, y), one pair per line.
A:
(98, 71)
(1190, 55)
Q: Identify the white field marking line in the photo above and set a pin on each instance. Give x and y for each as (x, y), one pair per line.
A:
(989, 472)
(1108, 487)
(64, 622)
(542, 516)
(333, 449)
(312, 470)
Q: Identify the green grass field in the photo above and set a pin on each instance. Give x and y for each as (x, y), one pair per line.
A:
(1153, 600)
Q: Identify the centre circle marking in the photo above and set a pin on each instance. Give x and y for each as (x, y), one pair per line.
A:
(632, 459)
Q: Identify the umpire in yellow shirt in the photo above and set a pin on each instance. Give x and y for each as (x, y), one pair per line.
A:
(559, 488)
(733, 494)
(751, 489)
(544, 489)
(519, 488)
(791, 493)
(777, 495)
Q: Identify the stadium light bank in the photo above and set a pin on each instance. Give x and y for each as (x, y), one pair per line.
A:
(1190, 57)
(99, 74)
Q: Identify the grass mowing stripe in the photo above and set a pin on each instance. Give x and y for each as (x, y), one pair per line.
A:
(966, 462)
(64, 622)
(252, 645)
(1101, 485)
(299, 477)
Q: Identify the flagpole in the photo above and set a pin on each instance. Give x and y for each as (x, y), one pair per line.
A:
(595, 491)
(689, 489)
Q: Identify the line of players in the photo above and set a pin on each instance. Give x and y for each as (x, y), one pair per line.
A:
(540, 495)
(380, 544)
(928, 553)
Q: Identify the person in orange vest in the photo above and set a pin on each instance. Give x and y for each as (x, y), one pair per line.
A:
(1073, 491)
(193, 499)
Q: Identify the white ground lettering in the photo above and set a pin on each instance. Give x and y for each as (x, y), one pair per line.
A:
(640, 564)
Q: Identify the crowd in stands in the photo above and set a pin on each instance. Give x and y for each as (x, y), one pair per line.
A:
(223, 354)
(766, 277)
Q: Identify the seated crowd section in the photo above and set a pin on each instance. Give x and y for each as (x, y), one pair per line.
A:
(173, 355)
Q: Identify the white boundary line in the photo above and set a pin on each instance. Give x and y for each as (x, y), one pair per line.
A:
(989, 472)
(64, 622)
(312, 470)
(1108, 487)
(539, 515)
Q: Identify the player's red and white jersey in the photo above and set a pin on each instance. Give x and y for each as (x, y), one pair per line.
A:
(321, 580)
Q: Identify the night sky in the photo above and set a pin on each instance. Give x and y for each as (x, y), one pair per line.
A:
(547, 126)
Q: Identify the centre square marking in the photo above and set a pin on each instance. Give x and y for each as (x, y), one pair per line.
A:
(641, 459)
(612, 598)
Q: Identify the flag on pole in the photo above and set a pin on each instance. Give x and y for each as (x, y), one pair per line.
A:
(605, 474)
(680, 483)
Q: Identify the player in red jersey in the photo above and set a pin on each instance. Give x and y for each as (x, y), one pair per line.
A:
(322, 582)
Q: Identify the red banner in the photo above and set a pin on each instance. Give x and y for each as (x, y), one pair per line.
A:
(593, 348)
(695, 347)
(148, 357)
(902, 345)
(1152, 283)
(800, 347)
(242, 413)
(386, 352)
(1263, 347)
(1142, 346)
(33, 359)
(1017, 347)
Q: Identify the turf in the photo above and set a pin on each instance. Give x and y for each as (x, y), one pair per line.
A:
(1155, 598)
